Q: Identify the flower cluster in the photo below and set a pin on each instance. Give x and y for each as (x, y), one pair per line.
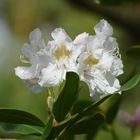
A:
(95, 58)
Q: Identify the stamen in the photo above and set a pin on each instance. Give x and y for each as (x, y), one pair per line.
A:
(91, 60)
(61, 52)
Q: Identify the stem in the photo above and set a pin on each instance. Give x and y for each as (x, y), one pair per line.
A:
(50, 101)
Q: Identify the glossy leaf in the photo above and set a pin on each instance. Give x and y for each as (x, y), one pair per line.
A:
(17, 136)
(48, 128)
(19, 117)
(87, 113)
(21, 131)
(84, 91)
(89, 124)
(67, 97)
(91, 110)
(28, 130)
(55, 131)
(5, 135)
(131, 83)
(80, 106)
(110, 107)
(84, 100)
(84, 125)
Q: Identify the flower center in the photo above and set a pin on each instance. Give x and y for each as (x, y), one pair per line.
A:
(91, 60)
(61, 51)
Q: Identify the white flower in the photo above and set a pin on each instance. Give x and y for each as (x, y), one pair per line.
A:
(32, 53)
(95, 58)
(64, 58)
(103, 28)
(100, 62)
(50, 63)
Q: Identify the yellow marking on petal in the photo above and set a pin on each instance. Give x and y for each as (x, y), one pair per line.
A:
(23, 59)
(61, 52)
(91, 60)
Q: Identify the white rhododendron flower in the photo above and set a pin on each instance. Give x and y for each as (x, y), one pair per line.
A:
(100, 62)
(64, 55)
(49, 63)
(95, 59)
(37, 59)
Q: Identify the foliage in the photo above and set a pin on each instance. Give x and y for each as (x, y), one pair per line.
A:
(64, 123)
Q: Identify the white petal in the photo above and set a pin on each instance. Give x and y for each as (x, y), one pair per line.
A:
(71, 65)
(114, 84)
(35, 88)
(117, 67)
(33, 85)
(101, 84)
(26, 50)
(60, 36)
(35, 35)
(95, 47)
(25, 73)
(106, 61)
(103, 28)
(42, 58)
(77, 51)
(81, 59)
(94, 43)
(51, 47)
(110, 44)
(95, 91)
(81, 38)
(100, 81)
(50, 76)
(42, 44)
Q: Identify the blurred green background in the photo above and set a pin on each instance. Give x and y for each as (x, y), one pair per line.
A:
(19, 17)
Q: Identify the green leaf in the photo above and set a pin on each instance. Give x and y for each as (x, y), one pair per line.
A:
(84, 91)
(55, 131)
(88, 113)
(67, 97)
(88, 124)
(134, 51)
(110, 107)
(11, 135)
(93, 107)
(84, 100)
(48, 128)
(91, 110)
(19, 117)
(131, 83)
(20, 131)
(85, 125)
(80, 106)
(28, 130)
